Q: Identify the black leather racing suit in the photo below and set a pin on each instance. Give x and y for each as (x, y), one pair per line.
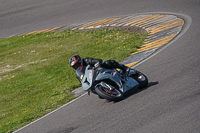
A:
(109, 64)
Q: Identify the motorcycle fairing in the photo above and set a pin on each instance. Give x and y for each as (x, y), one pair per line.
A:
(130, 84)
(109, 74)
(80, 72)
(113, 75)
(87, 76)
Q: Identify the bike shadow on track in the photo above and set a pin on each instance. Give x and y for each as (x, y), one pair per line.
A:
(133, 92)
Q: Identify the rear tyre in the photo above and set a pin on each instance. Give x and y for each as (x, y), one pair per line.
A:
(141, 79)
(104, 92)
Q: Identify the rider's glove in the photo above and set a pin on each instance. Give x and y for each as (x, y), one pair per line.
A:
(96, 65)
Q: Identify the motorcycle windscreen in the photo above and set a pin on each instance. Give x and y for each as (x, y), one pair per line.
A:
(80, 72)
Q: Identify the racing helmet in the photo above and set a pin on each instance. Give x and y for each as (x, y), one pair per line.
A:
(75, 61)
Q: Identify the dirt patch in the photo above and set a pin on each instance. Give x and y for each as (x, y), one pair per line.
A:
(9, 68)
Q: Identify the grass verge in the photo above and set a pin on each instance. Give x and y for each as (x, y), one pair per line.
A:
(35, 77)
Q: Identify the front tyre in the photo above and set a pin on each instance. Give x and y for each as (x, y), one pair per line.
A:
(109, 92)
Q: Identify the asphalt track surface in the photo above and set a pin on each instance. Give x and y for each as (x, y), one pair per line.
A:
(171, 103)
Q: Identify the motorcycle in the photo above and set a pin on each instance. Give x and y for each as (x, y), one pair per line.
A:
(110, 84)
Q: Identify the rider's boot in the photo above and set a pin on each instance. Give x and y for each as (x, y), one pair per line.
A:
(124, 69)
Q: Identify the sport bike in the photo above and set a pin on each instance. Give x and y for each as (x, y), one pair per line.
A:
(110, 84)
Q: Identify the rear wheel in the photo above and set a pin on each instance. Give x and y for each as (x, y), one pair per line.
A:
(141, 79)
(109, 92)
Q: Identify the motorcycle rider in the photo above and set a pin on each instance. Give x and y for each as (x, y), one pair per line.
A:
(76, 61)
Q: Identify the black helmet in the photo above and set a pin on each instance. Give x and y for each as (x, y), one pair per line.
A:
(75, 61)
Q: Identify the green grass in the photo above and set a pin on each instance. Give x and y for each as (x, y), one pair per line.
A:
(35, 76)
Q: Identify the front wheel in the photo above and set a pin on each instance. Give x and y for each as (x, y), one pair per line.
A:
(141, 79)
(109, 92)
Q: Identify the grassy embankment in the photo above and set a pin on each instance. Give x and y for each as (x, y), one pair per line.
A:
(35, 77)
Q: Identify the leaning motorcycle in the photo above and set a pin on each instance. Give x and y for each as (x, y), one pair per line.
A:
(110, 84)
